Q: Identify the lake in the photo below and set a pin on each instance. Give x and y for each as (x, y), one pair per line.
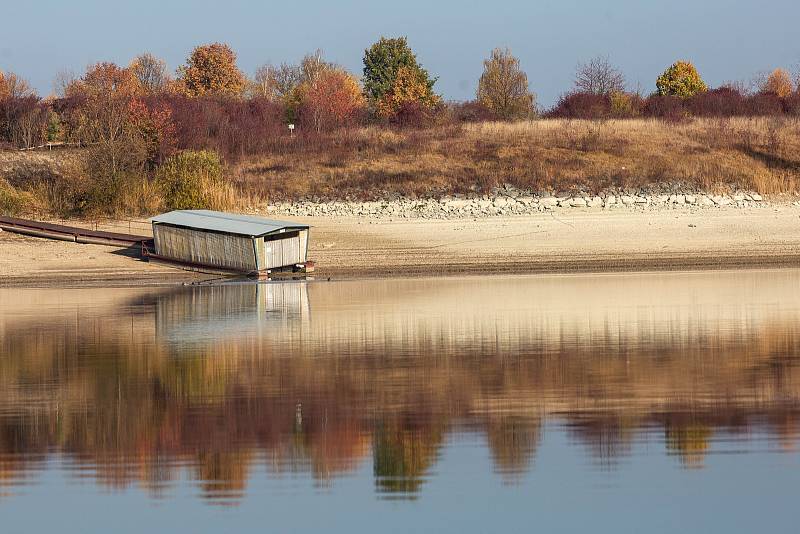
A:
(658, 402)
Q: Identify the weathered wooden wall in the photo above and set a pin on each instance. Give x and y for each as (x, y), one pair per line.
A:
(208, 248)
(284, 250)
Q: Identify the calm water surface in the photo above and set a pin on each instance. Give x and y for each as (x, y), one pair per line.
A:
(620, 403)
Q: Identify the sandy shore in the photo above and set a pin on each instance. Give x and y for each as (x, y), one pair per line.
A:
(558, 241)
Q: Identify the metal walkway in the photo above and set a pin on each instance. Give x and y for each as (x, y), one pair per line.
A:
(70, 233)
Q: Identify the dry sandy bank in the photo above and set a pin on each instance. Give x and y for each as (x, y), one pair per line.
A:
(558, 241)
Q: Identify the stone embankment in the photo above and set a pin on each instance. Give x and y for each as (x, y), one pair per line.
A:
(510, 201)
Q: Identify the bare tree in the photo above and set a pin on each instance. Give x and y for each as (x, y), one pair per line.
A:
(265, 81)
(313, 65)
(286, 78)
(756, 82)
(796, 76)
(23, 117)
(279, 83)
(62, 82)
(151, 72)
(30, 127)
(599, 77)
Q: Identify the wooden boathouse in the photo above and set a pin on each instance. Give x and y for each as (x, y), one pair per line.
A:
(226, 241)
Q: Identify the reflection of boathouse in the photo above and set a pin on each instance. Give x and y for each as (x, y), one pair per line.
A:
(203, 238)
(202, 313)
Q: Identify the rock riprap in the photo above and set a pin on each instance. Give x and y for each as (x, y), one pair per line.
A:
(510, 201)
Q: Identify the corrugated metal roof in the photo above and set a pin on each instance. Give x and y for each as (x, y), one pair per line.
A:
(231, 223)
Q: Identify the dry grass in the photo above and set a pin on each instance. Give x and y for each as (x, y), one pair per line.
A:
(549, 156)
(761, 154)
(58, 183)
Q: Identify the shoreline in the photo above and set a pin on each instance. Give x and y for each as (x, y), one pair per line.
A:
(558, 241)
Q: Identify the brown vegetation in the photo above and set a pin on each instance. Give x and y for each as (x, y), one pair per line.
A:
(543, 156)
(389, 134)
(548, 156)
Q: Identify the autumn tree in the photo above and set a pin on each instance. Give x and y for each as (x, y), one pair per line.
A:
(23, 117)
(105, 90)
(779, 83)
(13, 86)
(119, 152)
(383, 63)
(503, 86)
(211, 70)
(599, 77)
(681, 80)
(312, 66)
(150, 72)
(410, 88)
(333, 99)
(154, 126)
(105, 80)
(287, 83)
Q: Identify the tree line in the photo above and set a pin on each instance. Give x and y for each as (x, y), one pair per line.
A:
(319, 96)
(140, 120)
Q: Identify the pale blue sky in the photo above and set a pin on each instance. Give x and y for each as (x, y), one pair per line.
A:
(727, 39)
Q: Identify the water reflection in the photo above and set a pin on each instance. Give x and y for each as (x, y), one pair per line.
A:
(146, 386)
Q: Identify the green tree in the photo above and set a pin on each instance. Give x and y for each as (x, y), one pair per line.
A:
(682, 80)
(503, 87)
(383, 61)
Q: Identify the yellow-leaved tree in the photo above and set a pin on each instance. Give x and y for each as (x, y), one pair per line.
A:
(503, 87)
(409, 87)
(211, 70)
(778, 83)
(682, 80)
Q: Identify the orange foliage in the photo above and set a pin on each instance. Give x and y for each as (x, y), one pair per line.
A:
(105, 80)
(156, 128)
(334, 99)
(778, 83)
(212, 70)
(409, 88)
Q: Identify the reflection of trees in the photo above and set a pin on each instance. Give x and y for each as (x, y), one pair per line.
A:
(127, 402)
(223, 475)
(404, 449)
(608, 437)
(512, 442)
(690, 442)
